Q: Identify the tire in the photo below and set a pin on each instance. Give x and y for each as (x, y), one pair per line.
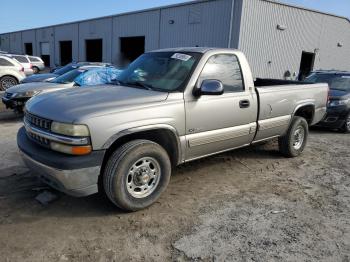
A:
(346, 127)
(7, 81)
(127, 178)
(35, 70)
(292, 144)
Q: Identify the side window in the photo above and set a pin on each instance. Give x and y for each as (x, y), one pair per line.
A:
(225, 68)
(21, 59)
(33, 59)
(4, 62)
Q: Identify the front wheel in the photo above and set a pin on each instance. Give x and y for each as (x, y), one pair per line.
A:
(292, 144)
(6, 82)
(136, 174)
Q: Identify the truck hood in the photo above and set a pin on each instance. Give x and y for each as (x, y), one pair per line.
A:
(32, 87)
(75, 104)
(39, 78)
(338, 94)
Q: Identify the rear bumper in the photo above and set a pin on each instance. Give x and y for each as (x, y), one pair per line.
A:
(73, 175)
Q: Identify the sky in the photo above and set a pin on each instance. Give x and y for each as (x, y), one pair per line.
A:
(24, 14)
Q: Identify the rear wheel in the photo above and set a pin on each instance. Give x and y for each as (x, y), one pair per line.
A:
(136, 174)
(346, 126)
(292, 144)
(7, 81)
(35, 70)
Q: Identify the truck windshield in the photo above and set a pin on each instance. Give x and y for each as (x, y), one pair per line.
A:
(68, 77)
(160, 71)
(335, 81)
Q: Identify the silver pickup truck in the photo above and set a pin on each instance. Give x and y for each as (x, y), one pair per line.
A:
(168, 107)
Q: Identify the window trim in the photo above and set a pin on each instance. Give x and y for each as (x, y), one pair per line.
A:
(240, 67)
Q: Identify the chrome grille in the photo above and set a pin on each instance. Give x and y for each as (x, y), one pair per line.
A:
(38, 139)
(38, 121)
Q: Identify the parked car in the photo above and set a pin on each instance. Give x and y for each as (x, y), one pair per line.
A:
(37, 62)
(338, 108)
(11, 72)
(168, 107)
(59, 72)
(24, 61)
(16, 96)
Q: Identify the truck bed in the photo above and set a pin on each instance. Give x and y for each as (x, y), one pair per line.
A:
(280, 99)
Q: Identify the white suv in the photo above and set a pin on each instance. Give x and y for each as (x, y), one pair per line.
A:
(11, 72)
(24, 61)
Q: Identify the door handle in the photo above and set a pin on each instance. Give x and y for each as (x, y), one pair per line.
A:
(244, 103)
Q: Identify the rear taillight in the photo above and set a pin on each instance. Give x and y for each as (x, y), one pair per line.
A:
(30, 66)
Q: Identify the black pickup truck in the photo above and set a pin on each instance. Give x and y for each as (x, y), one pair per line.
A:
(338, 108)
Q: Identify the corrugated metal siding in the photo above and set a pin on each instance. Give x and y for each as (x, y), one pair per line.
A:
(199, 24)
(305, 31)
(140, 24)
(332, 56)
(96, 29)
(67, 33)
(5, 42)
(46, 35)
(29, 37)
(16, 43)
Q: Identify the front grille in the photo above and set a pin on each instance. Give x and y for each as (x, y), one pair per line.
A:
(38, 139)
(8, 95)
(38, 121)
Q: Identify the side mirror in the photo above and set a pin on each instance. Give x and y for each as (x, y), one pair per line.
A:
(211, 87)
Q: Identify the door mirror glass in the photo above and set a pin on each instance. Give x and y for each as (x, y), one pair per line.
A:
(211, 87)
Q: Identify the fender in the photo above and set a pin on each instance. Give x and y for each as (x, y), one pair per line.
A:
(180, 141)
(308, 103)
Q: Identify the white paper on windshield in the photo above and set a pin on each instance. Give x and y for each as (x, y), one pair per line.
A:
(182, 57)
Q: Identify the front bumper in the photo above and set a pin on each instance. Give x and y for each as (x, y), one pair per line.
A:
(14, 103)
(335, 117)
(73, 175)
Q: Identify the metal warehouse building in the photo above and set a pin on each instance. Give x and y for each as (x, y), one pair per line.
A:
(275, 37)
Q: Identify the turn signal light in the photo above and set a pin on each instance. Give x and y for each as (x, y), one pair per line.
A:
(72, 150)
(81, 150)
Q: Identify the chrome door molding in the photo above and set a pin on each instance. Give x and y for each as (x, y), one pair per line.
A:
(274, 122)
(219, 135)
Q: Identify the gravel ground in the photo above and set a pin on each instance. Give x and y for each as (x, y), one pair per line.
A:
(246, 205)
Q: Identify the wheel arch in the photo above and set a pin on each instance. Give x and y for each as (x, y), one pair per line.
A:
(306, 110)
(10, 76)
(165, 135)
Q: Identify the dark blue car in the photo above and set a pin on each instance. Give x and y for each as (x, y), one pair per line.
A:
(338, 108)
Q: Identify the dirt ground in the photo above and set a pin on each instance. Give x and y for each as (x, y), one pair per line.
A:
(246, 205)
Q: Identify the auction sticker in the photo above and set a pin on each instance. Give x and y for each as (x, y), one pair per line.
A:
(182, 57)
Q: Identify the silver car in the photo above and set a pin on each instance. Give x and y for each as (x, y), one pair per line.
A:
(16, 96)
(37, 63)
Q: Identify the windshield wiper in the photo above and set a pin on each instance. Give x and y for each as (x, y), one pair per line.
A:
(140, 84)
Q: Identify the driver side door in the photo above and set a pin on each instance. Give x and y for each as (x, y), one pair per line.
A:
(216, 123)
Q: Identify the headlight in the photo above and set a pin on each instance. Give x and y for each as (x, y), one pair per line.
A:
(25, 94)
(339, 102)
(70, 129)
